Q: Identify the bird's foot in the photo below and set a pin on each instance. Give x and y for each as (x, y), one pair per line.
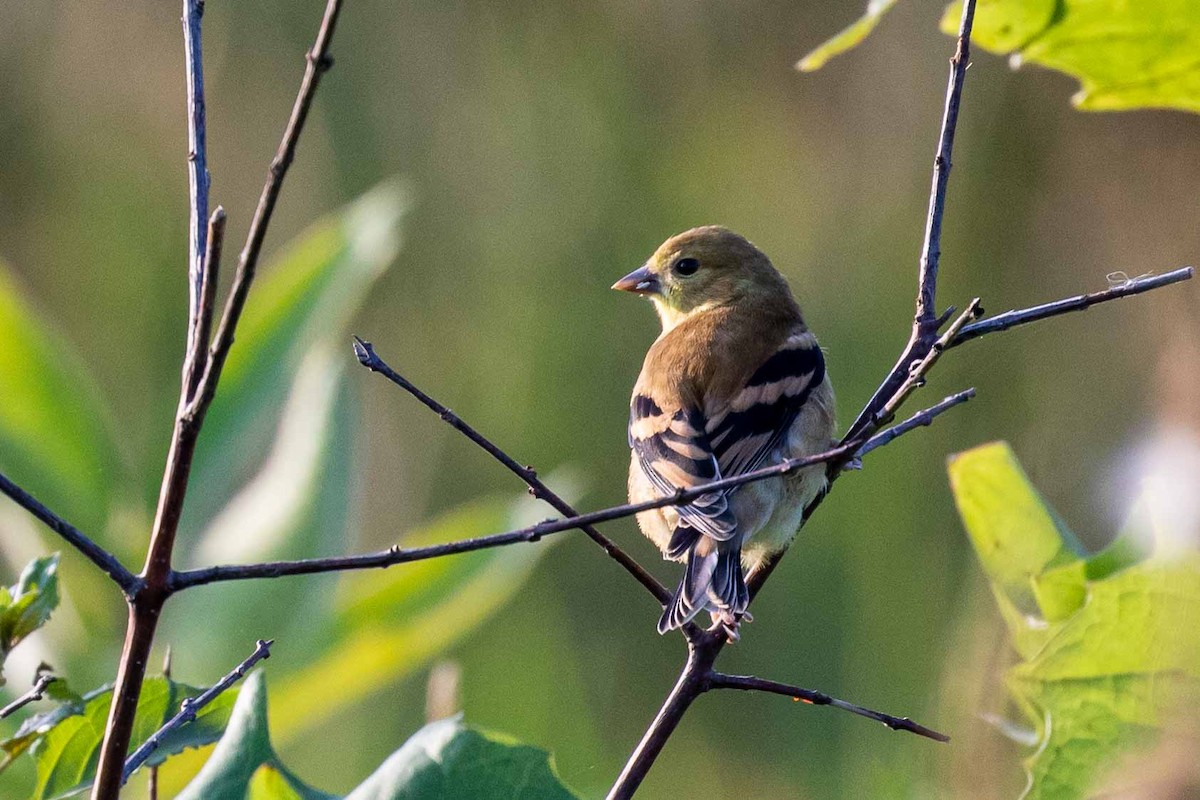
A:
(729, 623)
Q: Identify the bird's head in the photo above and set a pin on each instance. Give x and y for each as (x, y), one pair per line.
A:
(704, 268)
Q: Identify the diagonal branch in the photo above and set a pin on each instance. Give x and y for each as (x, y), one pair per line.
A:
(38, 691)
(720, 680)
(1081, 302)
(369, 359)
(399, 555)
(191, 706)
(103, 559)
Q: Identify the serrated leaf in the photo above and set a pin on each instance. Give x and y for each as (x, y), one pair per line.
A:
(241, 754)
(1116, 643)
(449, 759)
(55, 440)
(393, 623)
(65, 742)
(848, 39)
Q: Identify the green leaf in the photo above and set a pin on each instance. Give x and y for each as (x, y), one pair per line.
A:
(55, 436)
(449, 759)
(1125, 55)
(235, 770)
(1109, 645)
(65, 742)
(848, 39)
(1028, 554)
(304, 301)
(391, 624)
(27, 606)
(445, 759)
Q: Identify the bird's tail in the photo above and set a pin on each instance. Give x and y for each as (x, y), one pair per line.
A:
(713, 576)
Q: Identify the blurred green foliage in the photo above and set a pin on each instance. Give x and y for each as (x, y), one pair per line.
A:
(27, 605)
(1109, 654)
(552, 146)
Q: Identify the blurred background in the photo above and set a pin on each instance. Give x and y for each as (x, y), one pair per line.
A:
(546, 149)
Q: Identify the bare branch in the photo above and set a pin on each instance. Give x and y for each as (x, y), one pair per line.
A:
(38, 691)
(811, 697)
(190, 707)
(318, 61)
(1011, 319)
(926, 321)
(157, 573)
(103, 559)
(196, 358)
(918, 420)
(369, 359)
(198, 177)
(186, 579)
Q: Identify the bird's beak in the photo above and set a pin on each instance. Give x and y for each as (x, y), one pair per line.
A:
(640, 281)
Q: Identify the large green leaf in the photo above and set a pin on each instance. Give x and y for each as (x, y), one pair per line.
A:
(304, 300)
(1125, 55)
(27, 606)
(1109, 646)
(445, 759)
(244, 764)
(55, 437)
(449, 759)
(393, 623)
(65, 742)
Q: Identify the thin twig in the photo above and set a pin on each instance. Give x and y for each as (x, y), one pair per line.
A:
(317, 62)
(926, 322)
(918, 420)
(198, 177)
(1011, 319)
(197, 355)
(157, 573)
(722, 681)
(103, 559)
(191, 706)
(186, 579)
(368, 358)
(38, 691)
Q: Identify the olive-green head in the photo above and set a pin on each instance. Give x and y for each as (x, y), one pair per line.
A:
(703, 268)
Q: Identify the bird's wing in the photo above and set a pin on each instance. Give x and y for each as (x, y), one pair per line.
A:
(673, 450)
(745, 429)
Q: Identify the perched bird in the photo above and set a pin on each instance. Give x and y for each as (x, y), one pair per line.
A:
(735, 382)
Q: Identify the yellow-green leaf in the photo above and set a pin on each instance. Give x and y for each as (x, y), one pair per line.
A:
(848, 39)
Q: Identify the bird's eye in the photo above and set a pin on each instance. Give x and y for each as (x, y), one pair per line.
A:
(686, 266)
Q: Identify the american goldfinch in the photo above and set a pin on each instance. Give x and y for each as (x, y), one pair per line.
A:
(735, 382)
